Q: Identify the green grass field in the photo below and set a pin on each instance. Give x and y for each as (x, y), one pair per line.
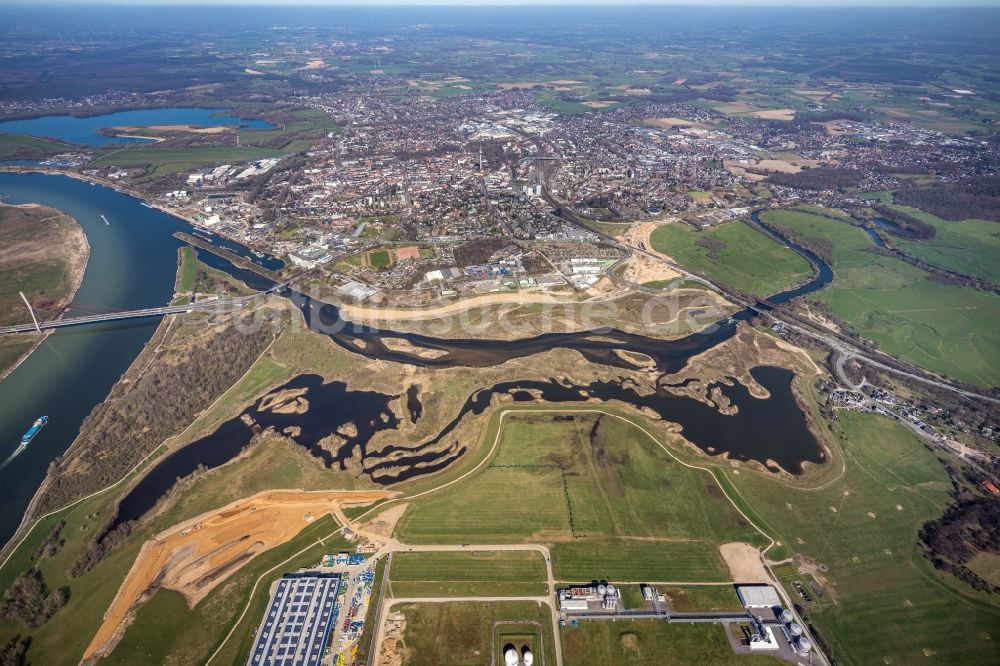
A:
(380, 259)
(747, 260)
(944, 328)
(890, 606)
(652, 643)
(460, 633)
(971, 246)
(21, 146)
(39, 245)
(450, 574)
(617, 487)
(187, 269)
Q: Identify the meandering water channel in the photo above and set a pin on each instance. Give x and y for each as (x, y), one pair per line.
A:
(133, 263)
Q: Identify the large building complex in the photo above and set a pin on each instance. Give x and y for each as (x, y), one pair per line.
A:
(298, 622)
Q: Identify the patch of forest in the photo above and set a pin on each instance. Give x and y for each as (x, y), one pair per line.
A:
(819, 180)
(966, 529)
(978, 198)
(140, 414)
(909, 226)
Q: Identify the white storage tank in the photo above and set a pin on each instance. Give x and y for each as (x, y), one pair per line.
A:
(786, 616)
(611, 590)
(795, 630)
(602, 589)
(510, 657)
(805, 645)
(526, 656)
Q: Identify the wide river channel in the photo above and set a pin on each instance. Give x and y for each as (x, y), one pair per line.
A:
(133, 265)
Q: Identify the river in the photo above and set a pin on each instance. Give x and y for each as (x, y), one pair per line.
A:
(133, 263)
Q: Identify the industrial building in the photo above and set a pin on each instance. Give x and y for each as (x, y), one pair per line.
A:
(597, 596)
(758, 596)
(298, 622)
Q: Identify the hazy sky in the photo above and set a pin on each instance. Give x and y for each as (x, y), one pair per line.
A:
(706, 3)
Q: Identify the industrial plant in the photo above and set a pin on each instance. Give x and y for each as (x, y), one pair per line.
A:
(512, 657)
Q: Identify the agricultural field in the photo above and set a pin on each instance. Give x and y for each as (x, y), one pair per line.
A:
(586, 486)
(450, 574)
(948, 329)
(652, 643)
(970, 246)
(461, 633)
(881, 598)
(734, 254)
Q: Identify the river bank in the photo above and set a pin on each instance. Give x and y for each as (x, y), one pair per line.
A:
(43, 252)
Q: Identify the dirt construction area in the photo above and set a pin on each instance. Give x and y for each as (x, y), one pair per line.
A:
(194, 557)
(744, 563)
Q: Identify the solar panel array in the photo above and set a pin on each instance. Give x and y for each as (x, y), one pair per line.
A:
(298, 621)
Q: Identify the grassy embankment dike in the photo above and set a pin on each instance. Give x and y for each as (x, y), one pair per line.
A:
(44, 254)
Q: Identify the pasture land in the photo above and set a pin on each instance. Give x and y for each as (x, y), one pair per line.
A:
(652, 643)
(734, 254)
(43, 253)
(970, 246)
(858, 536)
(22, 146)
(948, 329)
(461, 633)
(702, 598)
(450, 574)
(606, 498)
(187, 269)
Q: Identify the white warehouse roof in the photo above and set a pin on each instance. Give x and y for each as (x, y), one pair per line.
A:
(758, 596)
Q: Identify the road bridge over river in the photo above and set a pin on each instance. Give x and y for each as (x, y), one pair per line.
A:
(215, 303)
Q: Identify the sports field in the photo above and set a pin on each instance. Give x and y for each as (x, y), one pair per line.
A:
(944, 328)
(607, 498)
(860, 535)
(380, 258)
(450, 574)
(734, 254)
(652, 643)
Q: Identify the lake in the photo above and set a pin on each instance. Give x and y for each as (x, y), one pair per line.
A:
(84, 130)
